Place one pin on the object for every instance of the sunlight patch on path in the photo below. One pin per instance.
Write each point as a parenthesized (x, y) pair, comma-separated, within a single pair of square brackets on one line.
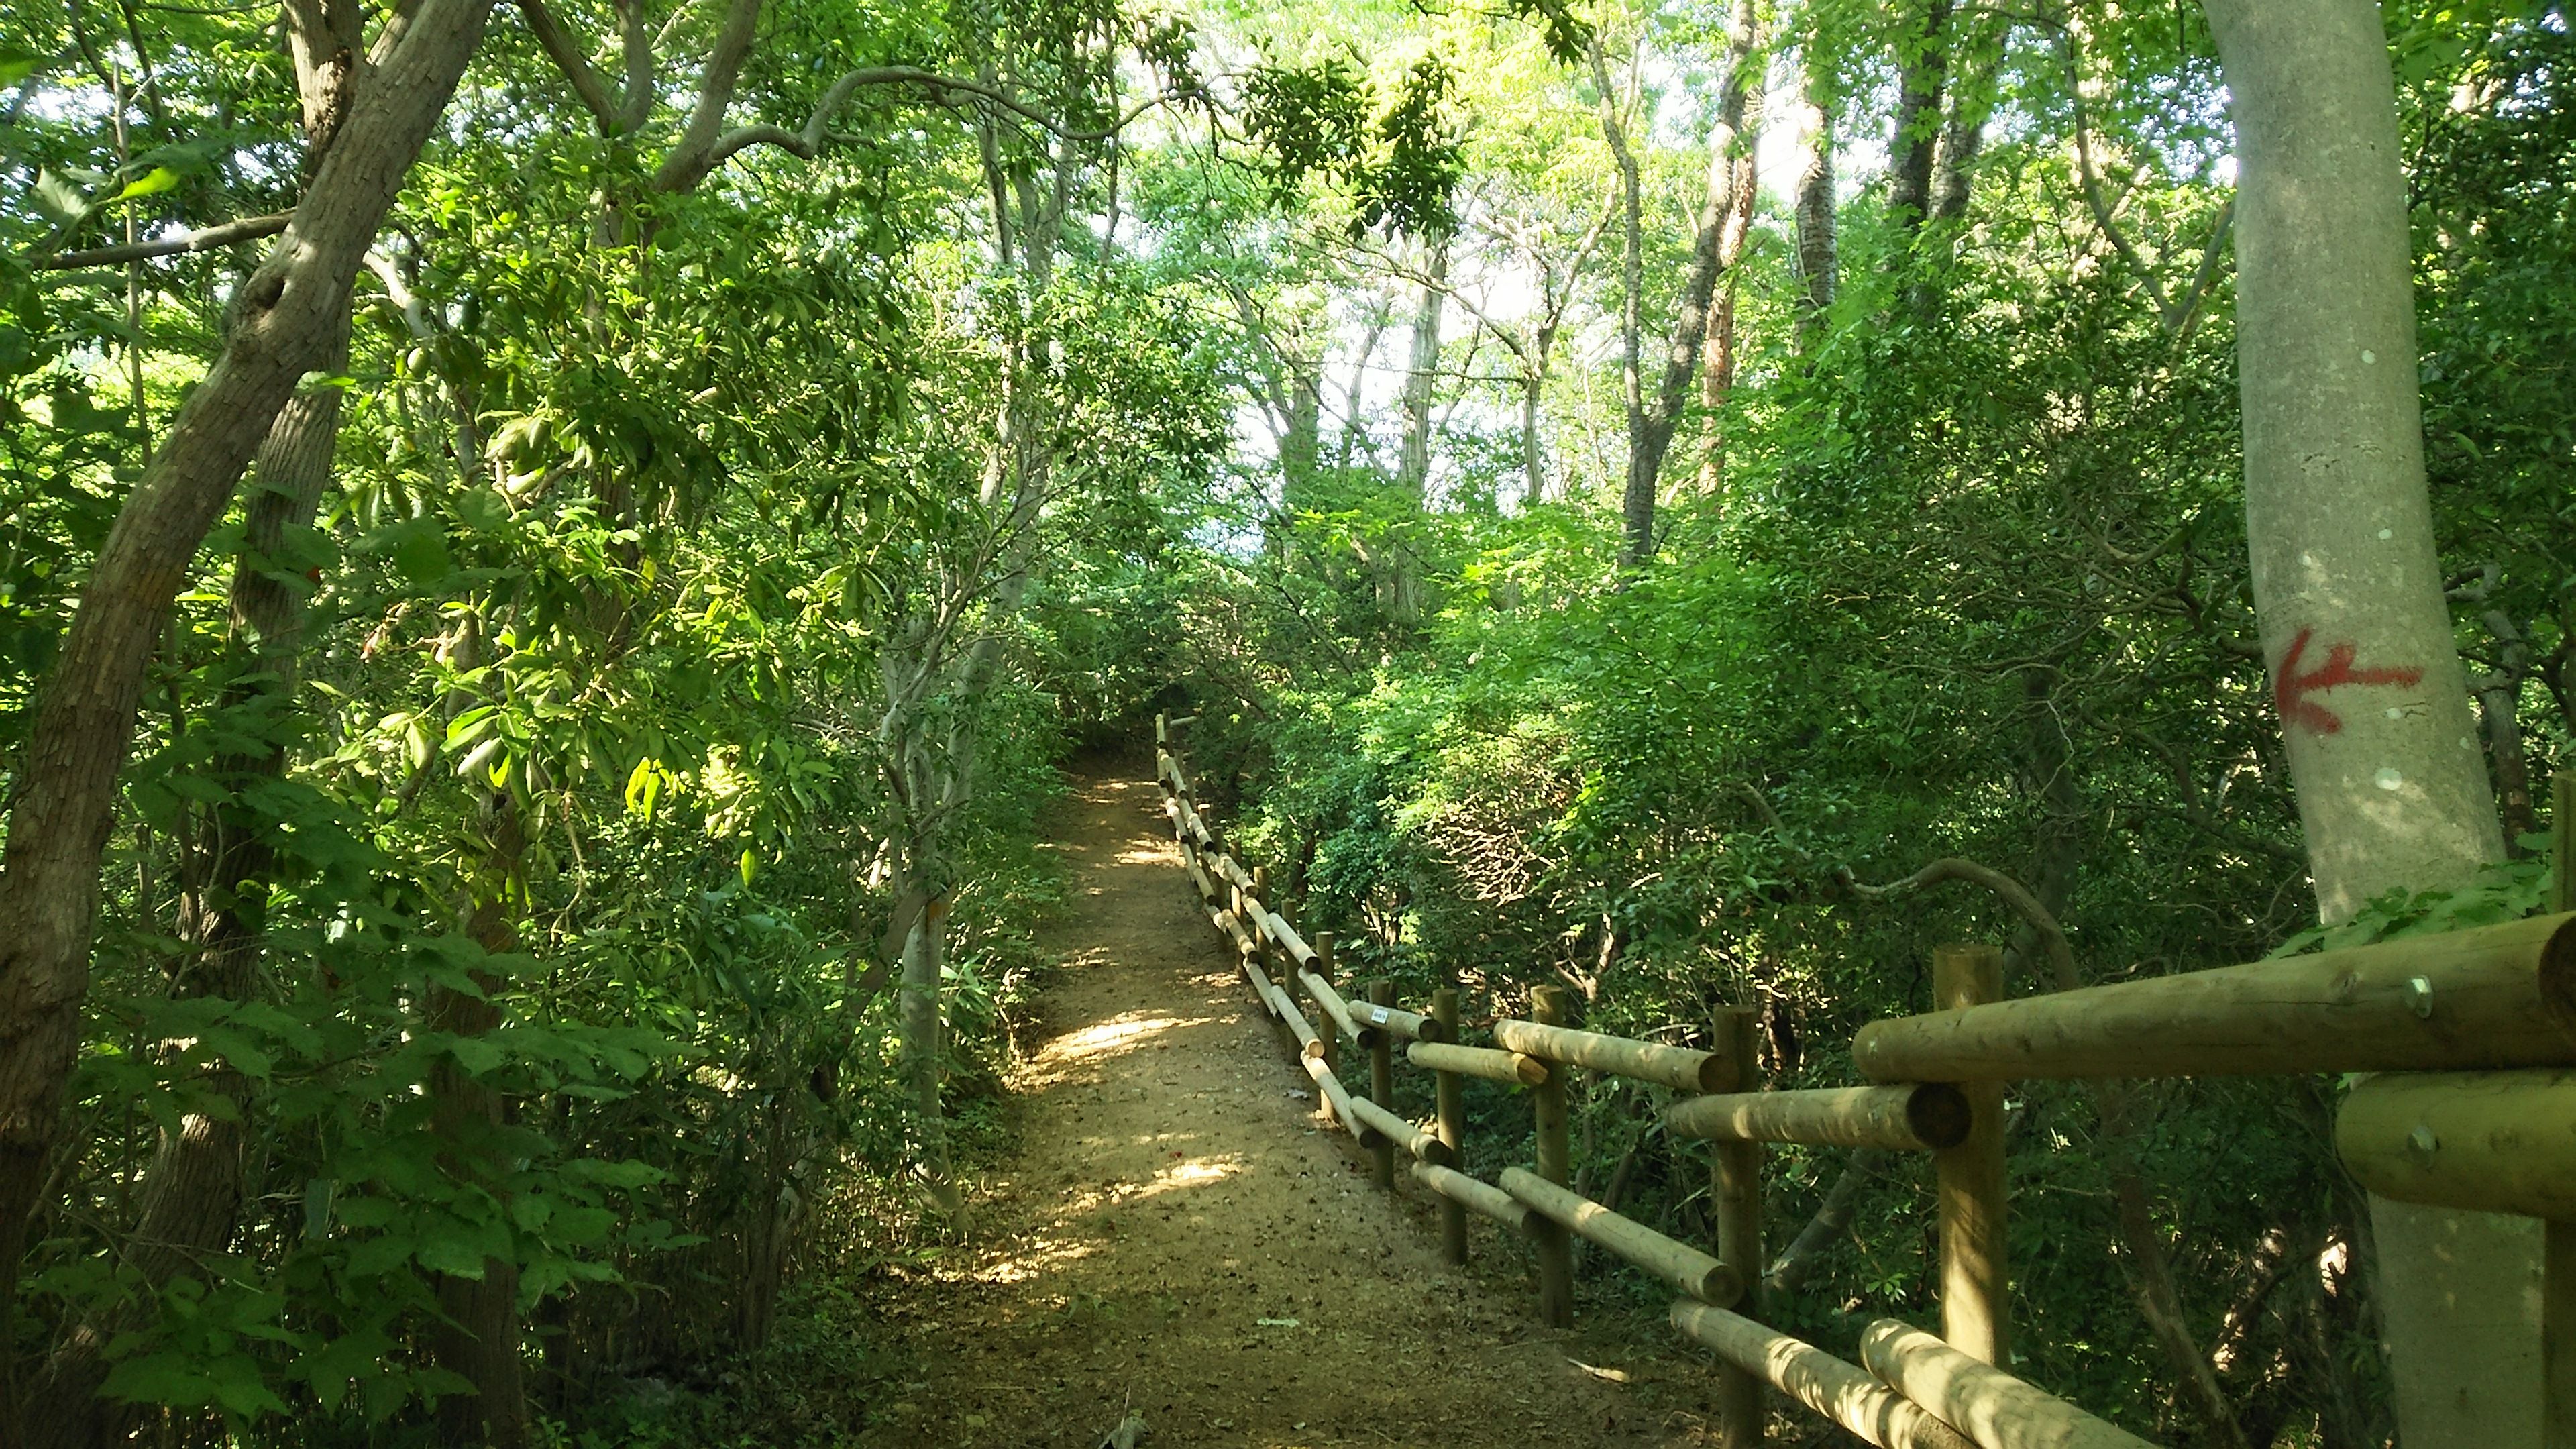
[(1102, 1042)]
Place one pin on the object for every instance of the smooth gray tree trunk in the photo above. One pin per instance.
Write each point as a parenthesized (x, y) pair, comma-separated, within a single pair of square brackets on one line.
[(1813, 207), (2383, 752), (1421, 372)]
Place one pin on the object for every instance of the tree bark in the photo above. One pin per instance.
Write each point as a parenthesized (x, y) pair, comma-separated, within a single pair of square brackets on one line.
[(1638, 515), (192, 1189), (1963, 133), (2500, 707), (1740, 107), (479, 1342), (924, 1043), (1301, 437), (1533, 454), (1814, 206), (1414, 475), (2382, 751), (1922, 76), (1806, 1252), (281, 328), (1652, 417)]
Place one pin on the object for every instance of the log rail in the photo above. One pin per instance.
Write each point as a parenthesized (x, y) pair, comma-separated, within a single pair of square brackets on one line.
[(2472, 1033)]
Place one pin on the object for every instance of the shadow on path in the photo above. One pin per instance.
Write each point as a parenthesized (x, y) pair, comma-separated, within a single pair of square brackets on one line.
[(1175, 1234)]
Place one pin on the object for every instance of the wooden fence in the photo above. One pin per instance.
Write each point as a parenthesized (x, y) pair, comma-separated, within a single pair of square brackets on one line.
[(2472, 1036)]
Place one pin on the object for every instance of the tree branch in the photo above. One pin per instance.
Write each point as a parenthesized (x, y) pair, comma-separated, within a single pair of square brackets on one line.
[(696, 154), (2157, 1296), (223, 234), (638, 43), (2061, 956), (808, 141), (567, 55), (1805, 1253), (2187, 313)]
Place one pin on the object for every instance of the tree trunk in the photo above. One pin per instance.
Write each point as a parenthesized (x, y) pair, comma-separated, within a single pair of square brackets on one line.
[(924, 1043), (1922, 75), (1637, 513), (192, 1189), (1301, 437), (1533, 459), (1740, 107), (1814, 206), (1963, 134), (1423, 369), (480, 1340), (1653, 417), (1806, 1252), (281, 327), (2383, 753), (2500, 707)]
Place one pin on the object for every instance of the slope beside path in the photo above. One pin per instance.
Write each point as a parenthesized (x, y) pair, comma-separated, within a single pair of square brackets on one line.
[(1176, 1236)]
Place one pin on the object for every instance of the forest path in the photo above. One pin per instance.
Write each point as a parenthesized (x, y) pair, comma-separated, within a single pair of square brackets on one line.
[(1172, 1207)]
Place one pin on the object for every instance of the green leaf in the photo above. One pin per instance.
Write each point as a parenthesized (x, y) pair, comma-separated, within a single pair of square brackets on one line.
[(160, 1378), (457, 1257), (421, 556), (475, 1055), (378, 1256), (150, 183), (239, 1390), (61, 202), (643, 787)]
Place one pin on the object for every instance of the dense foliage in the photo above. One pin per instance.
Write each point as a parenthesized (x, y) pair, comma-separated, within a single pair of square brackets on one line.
[(665, 529), (575, 870), (1961, 574)]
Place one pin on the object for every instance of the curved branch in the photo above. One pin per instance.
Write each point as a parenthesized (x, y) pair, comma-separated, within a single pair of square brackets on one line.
[(2158, 1297), (694, 156), (561, 48), (223, 234), (2186, 313), (2061, 955), (1799, 1261), (805, 143)]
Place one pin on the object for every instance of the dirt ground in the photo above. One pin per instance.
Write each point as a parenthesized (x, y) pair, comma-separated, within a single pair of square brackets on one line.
[(1178, 1236)]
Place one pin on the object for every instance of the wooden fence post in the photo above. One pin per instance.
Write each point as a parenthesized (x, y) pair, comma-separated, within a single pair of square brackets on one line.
[(1735, 1189), (1332, 1038), (1976, 1306), (1451, 1090), (1555, 1163), (1289, 967), (1262, 955), (2558, 1239), (1381, 992), (1282, 970)]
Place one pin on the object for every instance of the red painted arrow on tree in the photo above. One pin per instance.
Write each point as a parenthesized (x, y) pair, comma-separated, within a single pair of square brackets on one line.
[(2290, 688)]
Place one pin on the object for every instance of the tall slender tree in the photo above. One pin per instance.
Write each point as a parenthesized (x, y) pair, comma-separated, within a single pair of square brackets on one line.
[(2373, 703)]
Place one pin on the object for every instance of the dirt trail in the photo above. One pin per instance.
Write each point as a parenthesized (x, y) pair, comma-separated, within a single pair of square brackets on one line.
[(1176, 1234)]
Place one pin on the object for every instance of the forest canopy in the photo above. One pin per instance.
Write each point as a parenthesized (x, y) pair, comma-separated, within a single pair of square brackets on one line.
[(554, 557)]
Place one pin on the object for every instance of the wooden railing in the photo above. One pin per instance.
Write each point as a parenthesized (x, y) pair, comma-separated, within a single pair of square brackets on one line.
[(2471, 1034)]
